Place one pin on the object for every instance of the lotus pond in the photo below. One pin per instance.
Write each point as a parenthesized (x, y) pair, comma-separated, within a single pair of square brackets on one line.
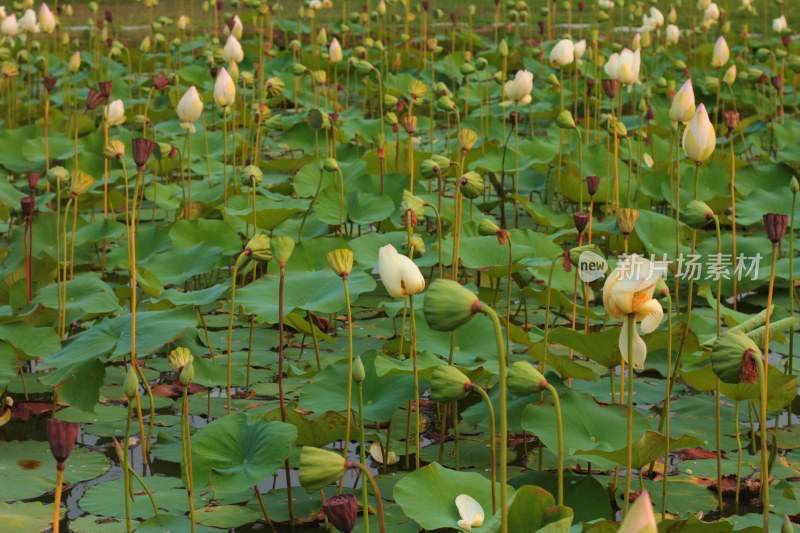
[(397, 267)]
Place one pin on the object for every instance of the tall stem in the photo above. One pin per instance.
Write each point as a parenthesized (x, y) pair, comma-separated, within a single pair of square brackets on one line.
[(560, 430), (379, 502), (187, 444), (762, 387), (363, 454), (666, 415), (232, 314), (631, 318), (412, 341), (281, 357), (492, 443), (349, 373), (501, 356)]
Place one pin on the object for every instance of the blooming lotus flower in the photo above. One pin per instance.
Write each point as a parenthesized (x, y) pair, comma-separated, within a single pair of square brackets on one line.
[(183, 22), (721, 53), (47, 21), (470, 511), (115, 113), (235, 27), (673, 34), (233, 53), (624, 66), (10, 26), (399, 274), (657, 17), (376, 452), (335, 51), (580, 49), (730, 75), (75, 62), (605, 4), (711, 14), (640, 518), (628, 292), (519, 89), (190, 107), (747, 6), (224, 88), (683, 106), (779, 24), (563, 53), (28, 22), (699, 138)]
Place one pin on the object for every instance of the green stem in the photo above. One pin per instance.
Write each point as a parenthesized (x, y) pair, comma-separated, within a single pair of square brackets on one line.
[(717, 392), (368, 475), (125, 468), (501, 356), (239, 262), (666, 415), (364, 491), (762, 386), (547, 311), (492, 443), (560, 429), (349, 372), (739, 454), (187, 445), (631, 318), (412, 341)]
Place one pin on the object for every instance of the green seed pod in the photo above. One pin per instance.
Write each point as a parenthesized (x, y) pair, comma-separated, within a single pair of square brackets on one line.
[(114, 149), (449, 384), (59, 173), (731, 358), (575, 253), (448, 305), (417, 244), (697, 214), (486, 228), (282, 247), (187, 374), (80, 182), (524, 379), (319, 467), (252, 174), (471, 185), (258, 248), (330, 165), (564, 119), (786, 525), (626, 219)]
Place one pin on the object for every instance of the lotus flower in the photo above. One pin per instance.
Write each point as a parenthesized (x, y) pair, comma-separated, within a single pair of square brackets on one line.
[(673, 34), (711, 14), (683, 106), (47, 21), (10, 26), (519, 89), (232, 53), (235, 27), (629, 291), (699, 138), (115, 113), (335, 51), (640, 518), (471, 512), (563, 53), (721, 53), (28, 22), (190, 107), (624, 66), (399, 274), (75, 62), (224, 89), (779, 24), (730, 75)]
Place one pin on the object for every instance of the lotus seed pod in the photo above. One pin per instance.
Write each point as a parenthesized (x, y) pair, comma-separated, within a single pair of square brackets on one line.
[(486, 228), (80, 182), (179, 358), (626, 219), (282, 247), (258, 248), (114, 149), (448, 305), (564, 119), (524, 379), (576, 252), (471, 185), (319, 467), (341, 261), (775, 224), (330, 165), (467, 139), (449, 384), (697, 214)]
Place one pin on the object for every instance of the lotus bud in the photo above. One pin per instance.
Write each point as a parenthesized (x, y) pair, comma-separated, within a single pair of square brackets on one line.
[(186, 376), (359, 373), (319, 467), (61, 436), (626, 219), (258, 248), (282, 247), (50, 82), (75, 62), (683, 105), (471, 185), (711, 84), (697, 214), (524, 380), (775, 224), (449, 384), (114, 149), (341, 510), (730, 75), (699, 138), (794, 185), (142, 150), (130, 387), (341, 262), (641, 518), (564, 119), (786, 525), (448, 305), (502, 49)]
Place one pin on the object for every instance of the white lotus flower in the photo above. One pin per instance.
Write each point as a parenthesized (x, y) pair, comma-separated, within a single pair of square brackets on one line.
[(580, 48), (115, 113), (519, 89), (400, 275), (376, 452), (190, 107), (233, 50), (563, 53), (721, 53), (335, 51), (673, 34), (224, 88), (641, 518), (10, 26), (470, 511), (47, 21), (624, 66), (28, 22), (711, 14), (779, 24), (183, 22)]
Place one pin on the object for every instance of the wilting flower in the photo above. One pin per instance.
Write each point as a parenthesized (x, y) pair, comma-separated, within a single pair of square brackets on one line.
[(519, 89), (399, 274), (640, 518), (233, 52), (376, 452), (624, 66), (342, 511), (61, 436), (628, 291), (683, 106), (142, 150), (721, 53), (699, 138), (47, 22), (224, 89), (190, 107), (470, 511), (673, 34), (563, 53), (335, 51), (779, 24), (115, 113)]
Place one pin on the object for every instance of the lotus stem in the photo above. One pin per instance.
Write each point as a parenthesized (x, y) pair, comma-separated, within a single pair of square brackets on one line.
[(560, 430), (186, 441), (363, 454), (281, 358), (762, 387), (126, 468), (492, 442), (348, 423), (239, 261), (631, 318)]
